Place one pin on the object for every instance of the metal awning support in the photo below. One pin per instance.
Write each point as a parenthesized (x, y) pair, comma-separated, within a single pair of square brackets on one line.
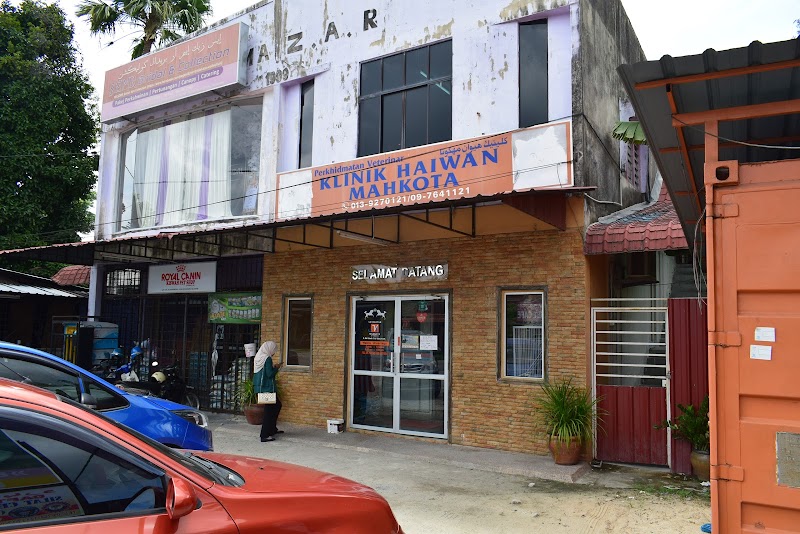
[(449, 227), (251, 237)]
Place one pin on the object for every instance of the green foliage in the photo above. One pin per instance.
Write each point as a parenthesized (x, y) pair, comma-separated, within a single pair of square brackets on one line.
[(568, 411), (48, 127), (691, 425), (246, 393), (160, 21)]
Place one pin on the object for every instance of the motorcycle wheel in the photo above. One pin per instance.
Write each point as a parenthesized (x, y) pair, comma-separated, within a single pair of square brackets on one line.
[(190, 399)]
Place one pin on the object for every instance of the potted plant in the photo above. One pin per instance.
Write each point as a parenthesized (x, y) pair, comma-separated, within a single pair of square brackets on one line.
[(692, 425), (246, 398), (567, 413)]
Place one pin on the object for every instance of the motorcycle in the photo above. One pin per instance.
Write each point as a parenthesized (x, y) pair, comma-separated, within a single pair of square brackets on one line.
[(166, 383), (173, 387)]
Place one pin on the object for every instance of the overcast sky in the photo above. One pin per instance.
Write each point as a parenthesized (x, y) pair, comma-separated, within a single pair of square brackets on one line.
[(676, 27)]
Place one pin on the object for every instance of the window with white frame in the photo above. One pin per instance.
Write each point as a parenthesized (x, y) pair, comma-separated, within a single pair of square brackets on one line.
[(193, 168), (297, 331), (522, 338)]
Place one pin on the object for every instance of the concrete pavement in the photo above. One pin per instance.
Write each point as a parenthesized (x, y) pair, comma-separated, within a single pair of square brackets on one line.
[(494, 461), (437, 488)]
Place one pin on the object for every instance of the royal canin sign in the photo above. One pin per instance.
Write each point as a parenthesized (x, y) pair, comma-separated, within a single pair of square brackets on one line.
[(183, 278)]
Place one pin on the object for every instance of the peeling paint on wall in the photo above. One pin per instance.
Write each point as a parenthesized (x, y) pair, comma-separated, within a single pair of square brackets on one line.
[(380, 42)]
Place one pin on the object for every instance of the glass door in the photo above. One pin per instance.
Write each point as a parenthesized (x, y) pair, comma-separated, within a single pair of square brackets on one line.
[(399, 366)]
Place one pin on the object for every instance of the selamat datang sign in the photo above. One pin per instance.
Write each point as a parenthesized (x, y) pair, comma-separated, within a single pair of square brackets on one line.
[(182, 278), (206, 63)]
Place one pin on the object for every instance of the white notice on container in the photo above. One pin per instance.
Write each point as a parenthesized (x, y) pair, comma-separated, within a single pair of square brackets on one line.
[(760, 352), (428, 342), (765, 333)]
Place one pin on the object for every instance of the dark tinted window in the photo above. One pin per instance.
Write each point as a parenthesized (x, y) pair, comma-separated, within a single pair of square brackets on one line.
[(107, 399), (417, 116), (369, 126), (306, 122), (298, 331), (40, 375), (59, 381), (442, 60), (417, 66), (370, 77), (392, 122), (81, 473), (414, 106), (533, 73), (440, 126), (393, 71)]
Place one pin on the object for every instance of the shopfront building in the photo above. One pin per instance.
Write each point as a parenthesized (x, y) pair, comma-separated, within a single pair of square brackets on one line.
[(415, 182)]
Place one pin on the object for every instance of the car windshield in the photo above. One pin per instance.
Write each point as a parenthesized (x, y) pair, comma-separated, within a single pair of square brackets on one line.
[(207, 469)]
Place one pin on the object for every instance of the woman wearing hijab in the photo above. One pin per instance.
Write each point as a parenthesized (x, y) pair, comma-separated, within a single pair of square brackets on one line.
[(266, 367)]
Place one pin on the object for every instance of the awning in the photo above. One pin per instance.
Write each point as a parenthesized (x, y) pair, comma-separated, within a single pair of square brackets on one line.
[(639, 228), (673, 96), (259, 237)]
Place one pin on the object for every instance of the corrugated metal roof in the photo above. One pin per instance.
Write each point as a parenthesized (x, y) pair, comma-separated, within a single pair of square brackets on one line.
[(714, 80), (15, 283), (651, 227), (164, 245), (24, 289)]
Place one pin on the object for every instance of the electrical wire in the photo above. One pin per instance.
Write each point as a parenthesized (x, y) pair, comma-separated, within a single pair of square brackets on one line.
[(697, 263), (728, 139), (409, 159)]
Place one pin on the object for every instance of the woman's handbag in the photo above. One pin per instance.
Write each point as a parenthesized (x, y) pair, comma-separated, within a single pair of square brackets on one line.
[(267, 398)]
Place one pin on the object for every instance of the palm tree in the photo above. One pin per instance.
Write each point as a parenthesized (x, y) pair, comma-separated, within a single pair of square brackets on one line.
[(159, 20)]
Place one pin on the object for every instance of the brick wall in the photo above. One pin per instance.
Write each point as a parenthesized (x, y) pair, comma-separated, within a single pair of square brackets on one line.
[(484, 411)]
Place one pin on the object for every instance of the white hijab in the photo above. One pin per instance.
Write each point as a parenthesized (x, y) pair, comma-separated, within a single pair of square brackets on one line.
[(265, 351)]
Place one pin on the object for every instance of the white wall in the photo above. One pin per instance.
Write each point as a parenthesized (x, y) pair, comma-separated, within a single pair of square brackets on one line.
[(485, 72)]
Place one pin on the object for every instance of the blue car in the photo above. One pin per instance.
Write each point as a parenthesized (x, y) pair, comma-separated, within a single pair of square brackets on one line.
[(172, 424)]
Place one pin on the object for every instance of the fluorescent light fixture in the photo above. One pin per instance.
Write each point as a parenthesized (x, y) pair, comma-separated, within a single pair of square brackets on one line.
[(363, 238)]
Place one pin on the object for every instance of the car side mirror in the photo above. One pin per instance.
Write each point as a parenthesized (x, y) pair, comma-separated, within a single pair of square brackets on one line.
[(181, 498), (88, 400)]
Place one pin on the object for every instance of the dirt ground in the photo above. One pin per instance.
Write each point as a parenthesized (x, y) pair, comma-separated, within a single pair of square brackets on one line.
[(431, 498)]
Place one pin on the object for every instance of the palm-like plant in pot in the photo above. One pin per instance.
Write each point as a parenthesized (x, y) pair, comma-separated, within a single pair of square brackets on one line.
[(567, 413), (246, 399), (692, 425)]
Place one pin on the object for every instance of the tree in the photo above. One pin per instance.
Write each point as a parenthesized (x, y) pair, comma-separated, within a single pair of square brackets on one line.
[(160, 21), (48, 128)]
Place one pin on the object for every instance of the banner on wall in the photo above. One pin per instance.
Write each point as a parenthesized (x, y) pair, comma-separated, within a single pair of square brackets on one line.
[(182, 278), (206, 63), (539, 157), (234, 308)]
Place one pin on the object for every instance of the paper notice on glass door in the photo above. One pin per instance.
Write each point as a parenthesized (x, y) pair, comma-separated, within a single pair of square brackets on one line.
[(428, 342)]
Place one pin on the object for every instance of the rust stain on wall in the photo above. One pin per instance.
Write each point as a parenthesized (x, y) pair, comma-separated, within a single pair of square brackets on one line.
[(521, 8), (502, 72), (381, 41), (443, 30)]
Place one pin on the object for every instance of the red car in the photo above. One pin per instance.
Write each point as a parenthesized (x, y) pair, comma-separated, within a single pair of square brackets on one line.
[(65, 469)]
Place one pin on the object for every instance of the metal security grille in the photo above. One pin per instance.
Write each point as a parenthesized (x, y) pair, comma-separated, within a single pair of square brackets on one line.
[(526, 356), (123, 282), (630, 342)]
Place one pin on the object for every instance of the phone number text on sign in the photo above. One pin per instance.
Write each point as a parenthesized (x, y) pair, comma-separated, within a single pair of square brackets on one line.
[(456, 192)]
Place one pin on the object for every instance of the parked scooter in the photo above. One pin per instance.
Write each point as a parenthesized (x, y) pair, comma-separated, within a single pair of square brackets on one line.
[(166, 382), (173, 387), (125, 377)]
